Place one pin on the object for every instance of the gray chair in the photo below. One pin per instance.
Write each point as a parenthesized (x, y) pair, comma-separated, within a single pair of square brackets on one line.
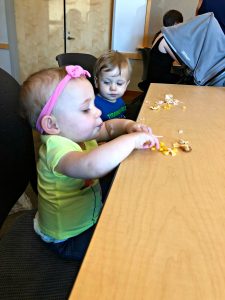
[(85, 60), (28, 269)]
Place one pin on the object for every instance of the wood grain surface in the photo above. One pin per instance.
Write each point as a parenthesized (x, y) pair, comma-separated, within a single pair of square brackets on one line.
[(161, 232)]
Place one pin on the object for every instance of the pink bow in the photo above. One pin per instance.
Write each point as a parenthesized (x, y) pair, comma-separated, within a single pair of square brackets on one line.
[(77, 71)]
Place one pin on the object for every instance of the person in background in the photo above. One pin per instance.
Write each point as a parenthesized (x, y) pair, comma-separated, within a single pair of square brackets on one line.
[(161, 56), (59, 103), (112, 73), (215, 6)]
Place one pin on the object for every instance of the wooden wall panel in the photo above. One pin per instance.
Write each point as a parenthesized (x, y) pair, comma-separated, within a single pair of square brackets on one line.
[(89, 22), (39, 26), (39, 34)]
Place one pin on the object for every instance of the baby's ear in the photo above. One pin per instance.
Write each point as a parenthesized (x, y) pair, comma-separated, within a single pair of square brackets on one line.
[(49, 125)]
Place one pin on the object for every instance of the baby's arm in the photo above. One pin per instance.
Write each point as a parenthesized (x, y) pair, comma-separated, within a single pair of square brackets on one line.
[(103, 159), (198, 7), (116, 127), (164, 46)]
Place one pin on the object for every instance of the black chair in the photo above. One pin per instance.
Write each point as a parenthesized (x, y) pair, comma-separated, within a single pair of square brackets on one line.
[(134, 107), (28, 269), (85, 60), (145, 53)]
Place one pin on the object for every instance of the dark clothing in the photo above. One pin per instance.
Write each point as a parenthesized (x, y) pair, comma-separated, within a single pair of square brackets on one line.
[(159, 69), (75, 247), (160, 66), (133, 108), (217, 7)]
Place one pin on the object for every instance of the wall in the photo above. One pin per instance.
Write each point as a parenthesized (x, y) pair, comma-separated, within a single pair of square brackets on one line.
[(124, 28), (8, 39), (39, 34), (39, 27), (159, 7), (5, 63)]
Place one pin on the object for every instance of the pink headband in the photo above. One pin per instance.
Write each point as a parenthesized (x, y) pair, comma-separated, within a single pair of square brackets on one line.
[(72, 72)]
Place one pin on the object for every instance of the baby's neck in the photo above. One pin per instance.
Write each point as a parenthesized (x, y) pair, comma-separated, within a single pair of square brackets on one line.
[(82, 145)]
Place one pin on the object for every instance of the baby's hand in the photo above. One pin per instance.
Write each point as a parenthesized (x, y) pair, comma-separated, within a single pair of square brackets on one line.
[(152, 139), (145, 140), (136, 127)]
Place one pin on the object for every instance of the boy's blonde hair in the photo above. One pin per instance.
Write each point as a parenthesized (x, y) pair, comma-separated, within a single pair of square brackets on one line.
[(36, 90), (110, 60)]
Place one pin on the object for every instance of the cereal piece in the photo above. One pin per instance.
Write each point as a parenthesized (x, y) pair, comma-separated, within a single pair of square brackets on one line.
[(172, 151), (168, 97), (184, 145), (160, 102), (155, 107), (181, 142), (162, 147), (176, 145), (176, 102), (180, 131), (167, 106), (165, 152), (186, 148)]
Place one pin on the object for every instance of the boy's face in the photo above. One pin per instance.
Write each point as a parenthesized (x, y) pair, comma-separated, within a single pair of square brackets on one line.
[(112, 84), (77, 116)]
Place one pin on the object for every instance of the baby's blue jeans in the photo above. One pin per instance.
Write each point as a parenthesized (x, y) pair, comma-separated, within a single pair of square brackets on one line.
[(73, 248)]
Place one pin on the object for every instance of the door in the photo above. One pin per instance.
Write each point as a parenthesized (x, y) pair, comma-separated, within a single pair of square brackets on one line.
[(4, 45), (88, 26), (8, 48)]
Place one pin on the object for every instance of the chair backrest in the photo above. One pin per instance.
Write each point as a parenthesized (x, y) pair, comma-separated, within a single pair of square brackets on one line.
[(85, 60), (145, 52), (18, 166)]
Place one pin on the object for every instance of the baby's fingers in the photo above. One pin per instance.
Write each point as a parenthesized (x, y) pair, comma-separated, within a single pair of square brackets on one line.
[(153, 142), (141, 128), (145, 128), (156, 142)]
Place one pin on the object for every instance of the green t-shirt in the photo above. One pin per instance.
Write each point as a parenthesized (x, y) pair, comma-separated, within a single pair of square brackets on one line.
[(66, 206)]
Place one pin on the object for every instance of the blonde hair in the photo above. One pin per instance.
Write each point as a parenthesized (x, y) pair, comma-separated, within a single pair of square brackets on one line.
[(110, 60), (36, 90)]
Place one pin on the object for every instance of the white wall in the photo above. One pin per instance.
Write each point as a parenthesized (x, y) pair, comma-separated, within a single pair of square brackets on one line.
[(128, 24), (5, 63), (8, 57), (160, 7), (129, 20)]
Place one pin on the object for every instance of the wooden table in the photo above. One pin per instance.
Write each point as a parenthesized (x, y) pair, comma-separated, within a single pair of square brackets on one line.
[(161, 234)]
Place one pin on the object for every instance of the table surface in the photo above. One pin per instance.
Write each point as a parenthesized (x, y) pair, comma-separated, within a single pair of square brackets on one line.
[(161, 234)]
